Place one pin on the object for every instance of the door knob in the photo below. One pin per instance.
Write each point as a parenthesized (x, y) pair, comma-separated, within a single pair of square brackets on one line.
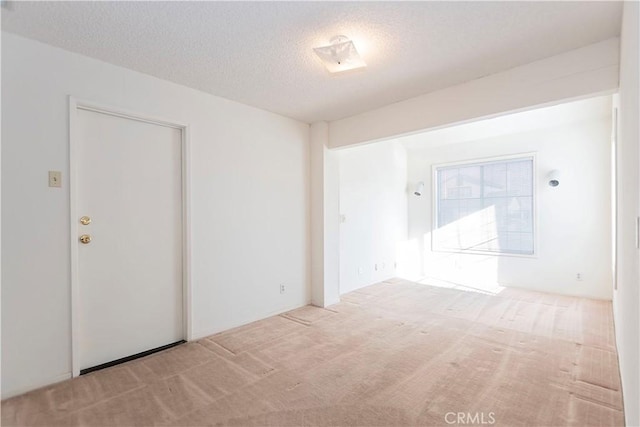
[(85, 239), (85, 220)]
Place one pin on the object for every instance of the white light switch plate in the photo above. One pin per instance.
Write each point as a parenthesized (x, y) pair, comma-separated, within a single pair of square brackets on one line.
[(55, 179)]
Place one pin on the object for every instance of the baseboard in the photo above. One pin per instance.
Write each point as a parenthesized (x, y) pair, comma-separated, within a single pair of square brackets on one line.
[(330, 303), (364, 285), (560, 291), (203, 334), (35, 386)]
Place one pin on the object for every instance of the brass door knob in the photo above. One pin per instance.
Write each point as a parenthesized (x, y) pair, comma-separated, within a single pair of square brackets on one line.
[(85, 220), (85, 238)]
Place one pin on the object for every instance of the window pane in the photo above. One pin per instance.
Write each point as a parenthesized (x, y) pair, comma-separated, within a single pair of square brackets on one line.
[(469, 182), (448, 211), (495, 180), (527, 243), (519, 178), (486, 207), (469, 207), (520, 214), (448, 180)]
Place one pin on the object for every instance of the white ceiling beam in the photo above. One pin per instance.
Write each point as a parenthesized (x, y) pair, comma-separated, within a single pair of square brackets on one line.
[(579, 73)]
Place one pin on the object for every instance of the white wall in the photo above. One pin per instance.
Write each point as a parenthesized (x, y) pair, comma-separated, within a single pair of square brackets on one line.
[(373, 205), (575, 74), (573, 219), (250, 203), (626, 300), (325, 228)]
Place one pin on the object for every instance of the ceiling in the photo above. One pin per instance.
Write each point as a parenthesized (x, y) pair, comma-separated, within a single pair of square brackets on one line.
[(260, 53), (526, 121)]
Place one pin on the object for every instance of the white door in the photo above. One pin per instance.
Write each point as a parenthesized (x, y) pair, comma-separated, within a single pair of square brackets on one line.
[(129, 183)]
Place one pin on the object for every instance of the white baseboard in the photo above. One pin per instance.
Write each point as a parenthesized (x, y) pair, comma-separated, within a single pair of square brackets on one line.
[(365, 284), (35, 386), (205, 333)]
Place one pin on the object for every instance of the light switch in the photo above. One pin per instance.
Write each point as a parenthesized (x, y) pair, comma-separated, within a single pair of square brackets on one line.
[(55, 179)]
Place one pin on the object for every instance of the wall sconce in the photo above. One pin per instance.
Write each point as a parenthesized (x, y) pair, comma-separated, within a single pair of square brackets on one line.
[(554, 178), (419, 189)]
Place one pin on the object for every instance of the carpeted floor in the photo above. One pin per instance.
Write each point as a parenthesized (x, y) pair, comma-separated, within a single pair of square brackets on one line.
[(395, 353)]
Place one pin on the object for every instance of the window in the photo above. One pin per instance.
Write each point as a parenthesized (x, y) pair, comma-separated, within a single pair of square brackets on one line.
[(485, 207)]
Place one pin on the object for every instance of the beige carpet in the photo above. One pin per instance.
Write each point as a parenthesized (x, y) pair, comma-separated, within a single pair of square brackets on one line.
[(395, 353)]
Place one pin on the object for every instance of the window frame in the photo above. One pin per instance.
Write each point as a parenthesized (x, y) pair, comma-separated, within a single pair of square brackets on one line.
[(481, 161)]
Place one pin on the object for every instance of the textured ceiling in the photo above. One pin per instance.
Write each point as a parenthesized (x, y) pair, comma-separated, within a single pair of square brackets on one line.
[(260, 53)]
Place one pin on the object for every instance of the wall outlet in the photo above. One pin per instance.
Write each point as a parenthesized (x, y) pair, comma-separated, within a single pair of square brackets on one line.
[(282, 289), (375, 266), (359, 271), (579, 276)]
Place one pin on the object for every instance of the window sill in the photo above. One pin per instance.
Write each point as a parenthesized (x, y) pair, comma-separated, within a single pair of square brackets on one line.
[(486, 253)]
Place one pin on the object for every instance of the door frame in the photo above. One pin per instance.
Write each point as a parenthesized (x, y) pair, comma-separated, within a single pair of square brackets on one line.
[(76, 104)]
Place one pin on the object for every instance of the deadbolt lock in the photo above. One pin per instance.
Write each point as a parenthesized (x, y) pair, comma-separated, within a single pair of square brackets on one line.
[(85, 220), (85, 238)]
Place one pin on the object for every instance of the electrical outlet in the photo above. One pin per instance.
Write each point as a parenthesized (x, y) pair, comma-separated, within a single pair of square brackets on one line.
[(359, 271), (282, 289), (579, 276), (375, 267)]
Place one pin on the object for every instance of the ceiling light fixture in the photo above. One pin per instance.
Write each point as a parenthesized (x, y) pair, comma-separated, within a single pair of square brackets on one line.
[(341, 55)]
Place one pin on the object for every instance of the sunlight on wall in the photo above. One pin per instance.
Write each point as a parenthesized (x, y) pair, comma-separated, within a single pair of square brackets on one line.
[(473, 273), (409, 265)]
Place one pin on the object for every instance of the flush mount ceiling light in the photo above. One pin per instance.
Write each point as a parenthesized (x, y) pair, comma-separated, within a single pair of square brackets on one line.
[(341, 55)]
